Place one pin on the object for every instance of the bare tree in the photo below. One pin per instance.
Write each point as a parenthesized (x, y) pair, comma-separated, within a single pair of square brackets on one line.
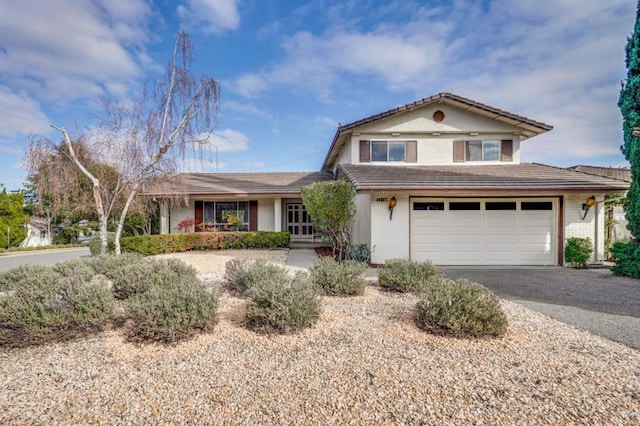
[(63, 174), (144, 140)]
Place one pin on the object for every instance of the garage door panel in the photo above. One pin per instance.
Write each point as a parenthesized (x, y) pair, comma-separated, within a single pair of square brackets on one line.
[(485, 237)]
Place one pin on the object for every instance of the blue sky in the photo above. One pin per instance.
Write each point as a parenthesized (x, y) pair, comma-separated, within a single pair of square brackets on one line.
[(292, 71)]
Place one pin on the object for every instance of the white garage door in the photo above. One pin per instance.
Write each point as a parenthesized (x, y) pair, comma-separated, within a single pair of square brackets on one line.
[(484, 231)]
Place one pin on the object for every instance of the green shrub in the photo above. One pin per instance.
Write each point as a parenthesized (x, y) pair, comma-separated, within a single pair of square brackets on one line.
[(140, 277), (109, 264), (460, 308), (405, 276), (47, 306), (339, 278), (171, 313), (136, 278), (258, 240), (242, 274), (94, 244), (275, 307), (626, 256), (10, 278), (359, 253), (577, 252), (176, 243), (75, 267)]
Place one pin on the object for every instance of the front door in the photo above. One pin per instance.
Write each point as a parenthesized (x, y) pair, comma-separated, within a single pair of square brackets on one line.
[(299, 222)]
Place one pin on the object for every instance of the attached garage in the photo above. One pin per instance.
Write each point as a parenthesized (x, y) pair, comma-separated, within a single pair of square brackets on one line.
[(491, 231)]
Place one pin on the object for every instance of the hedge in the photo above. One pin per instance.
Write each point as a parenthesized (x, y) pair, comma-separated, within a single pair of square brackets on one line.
[(175, 243), (626, 255)]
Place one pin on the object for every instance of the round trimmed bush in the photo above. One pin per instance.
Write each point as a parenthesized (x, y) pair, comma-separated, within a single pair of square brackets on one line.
[(109, 264), (242, 274), (577, 252), (171, 313), (339, 278), (405, 276), (46, 306), (460, 308), (10, 278), (276, 307)]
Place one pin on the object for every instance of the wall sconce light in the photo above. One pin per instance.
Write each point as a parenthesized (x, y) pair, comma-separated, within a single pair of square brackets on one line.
[(392, 203), (590, 202)]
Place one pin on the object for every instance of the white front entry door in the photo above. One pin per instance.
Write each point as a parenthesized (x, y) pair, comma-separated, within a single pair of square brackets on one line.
[(298, 221)]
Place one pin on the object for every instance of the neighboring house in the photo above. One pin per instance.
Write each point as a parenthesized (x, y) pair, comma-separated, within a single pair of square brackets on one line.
[(439, 179), (38, 233), (616, 221)]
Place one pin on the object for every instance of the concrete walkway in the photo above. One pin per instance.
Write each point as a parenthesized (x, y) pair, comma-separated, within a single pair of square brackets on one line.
[(301, 258)]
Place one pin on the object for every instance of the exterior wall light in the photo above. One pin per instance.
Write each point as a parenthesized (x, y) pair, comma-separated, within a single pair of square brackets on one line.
[(392, 203), (590, 202)]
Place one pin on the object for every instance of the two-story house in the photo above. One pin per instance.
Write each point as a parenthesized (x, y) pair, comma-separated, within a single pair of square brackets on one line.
[(439, 179)]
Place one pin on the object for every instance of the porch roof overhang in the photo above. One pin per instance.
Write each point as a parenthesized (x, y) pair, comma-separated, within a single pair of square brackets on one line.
[(476, 180), (236, 184)]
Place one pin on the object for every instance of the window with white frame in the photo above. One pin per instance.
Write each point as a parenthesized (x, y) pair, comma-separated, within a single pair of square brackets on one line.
[(483, 150)]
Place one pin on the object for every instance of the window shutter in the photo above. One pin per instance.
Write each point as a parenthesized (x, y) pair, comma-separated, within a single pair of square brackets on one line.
[(458, 151), (253, 215), (507, 150), (365, 152), (198, 214), (412, 151)]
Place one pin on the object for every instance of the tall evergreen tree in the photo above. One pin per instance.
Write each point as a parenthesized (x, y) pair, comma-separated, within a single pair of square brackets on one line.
[(629, 104)]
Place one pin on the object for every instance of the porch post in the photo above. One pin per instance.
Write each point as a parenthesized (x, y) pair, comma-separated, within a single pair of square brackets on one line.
[(277, 213), (164, 217)]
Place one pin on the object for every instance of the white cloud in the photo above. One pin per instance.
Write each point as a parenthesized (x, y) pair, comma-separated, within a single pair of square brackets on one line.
[(227, 140), (67, 50), (213, 16), (20, 114), (249, 85)]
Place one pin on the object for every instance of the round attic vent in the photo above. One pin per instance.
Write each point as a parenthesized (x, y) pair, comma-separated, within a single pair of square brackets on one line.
[(438, 116)]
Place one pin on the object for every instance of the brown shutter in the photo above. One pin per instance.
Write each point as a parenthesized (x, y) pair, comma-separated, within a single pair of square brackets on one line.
[(365, 152), (253, 215), (198, 214), (458, 151), (507, 150), (412, 151)]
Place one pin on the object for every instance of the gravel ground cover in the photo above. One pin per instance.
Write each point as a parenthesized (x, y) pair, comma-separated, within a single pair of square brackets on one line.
[(365, 362)]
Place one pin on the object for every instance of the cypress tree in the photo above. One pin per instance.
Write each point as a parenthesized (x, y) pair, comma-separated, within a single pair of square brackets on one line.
[(629, 104)]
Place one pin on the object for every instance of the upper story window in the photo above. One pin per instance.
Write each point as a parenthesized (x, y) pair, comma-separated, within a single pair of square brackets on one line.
[(388, 151), (483, 150)]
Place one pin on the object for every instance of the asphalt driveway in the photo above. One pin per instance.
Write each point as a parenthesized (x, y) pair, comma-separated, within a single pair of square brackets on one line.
[(593, 299)]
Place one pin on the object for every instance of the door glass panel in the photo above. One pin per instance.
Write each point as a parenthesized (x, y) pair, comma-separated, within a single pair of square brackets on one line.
[(537, 205), (464, 205), (428, 206), (501, 205)]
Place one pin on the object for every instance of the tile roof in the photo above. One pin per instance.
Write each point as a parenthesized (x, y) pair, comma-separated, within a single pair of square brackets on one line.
[(500, 178), (530, 127), (612, 172), (237, 183)]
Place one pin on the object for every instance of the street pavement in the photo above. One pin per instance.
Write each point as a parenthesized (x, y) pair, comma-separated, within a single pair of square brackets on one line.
[(40, 257)]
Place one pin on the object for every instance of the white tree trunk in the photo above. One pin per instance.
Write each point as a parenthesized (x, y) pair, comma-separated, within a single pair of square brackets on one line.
[(123, 216), (102, 217)]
